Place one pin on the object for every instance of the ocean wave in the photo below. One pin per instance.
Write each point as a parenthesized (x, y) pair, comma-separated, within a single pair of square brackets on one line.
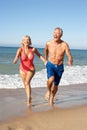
[(71, 75)]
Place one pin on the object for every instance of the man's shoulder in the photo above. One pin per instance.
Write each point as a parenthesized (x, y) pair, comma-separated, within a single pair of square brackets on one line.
[(49, 42), (64, 43)]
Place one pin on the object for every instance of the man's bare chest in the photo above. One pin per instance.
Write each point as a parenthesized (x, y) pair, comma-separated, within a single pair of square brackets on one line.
[(56, 49)]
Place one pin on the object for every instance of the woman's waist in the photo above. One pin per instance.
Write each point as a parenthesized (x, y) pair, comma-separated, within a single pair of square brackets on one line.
[(27, 64)]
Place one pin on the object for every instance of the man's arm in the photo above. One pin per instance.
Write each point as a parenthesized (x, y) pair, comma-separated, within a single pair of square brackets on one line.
[(46, 52), (69, 55)]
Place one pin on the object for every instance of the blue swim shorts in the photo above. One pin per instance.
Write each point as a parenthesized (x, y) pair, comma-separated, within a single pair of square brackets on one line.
[(54, 70)]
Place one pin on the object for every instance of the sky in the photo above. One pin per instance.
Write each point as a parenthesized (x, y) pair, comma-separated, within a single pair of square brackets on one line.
[(38, 18)]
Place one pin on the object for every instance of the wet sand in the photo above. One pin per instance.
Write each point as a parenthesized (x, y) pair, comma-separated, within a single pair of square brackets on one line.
[(69, 111)]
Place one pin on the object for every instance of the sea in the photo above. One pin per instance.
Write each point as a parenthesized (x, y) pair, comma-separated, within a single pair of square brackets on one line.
[(10, 76)]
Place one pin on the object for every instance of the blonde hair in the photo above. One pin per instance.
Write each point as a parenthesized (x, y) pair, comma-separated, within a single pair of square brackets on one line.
[(23, 40)]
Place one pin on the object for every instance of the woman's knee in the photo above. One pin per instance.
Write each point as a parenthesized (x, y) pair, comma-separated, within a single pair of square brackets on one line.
[(27, 82)]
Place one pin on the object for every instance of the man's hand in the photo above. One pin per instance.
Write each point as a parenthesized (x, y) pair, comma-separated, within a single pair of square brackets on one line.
[(69, 63)]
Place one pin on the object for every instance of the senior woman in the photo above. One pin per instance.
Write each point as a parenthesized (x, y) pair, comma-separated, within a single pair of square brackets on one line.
[(27, 69)]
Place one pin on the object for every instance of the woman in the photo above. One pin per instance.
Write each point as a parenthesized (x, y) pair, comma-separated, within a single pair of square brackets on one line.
[(27, 68)]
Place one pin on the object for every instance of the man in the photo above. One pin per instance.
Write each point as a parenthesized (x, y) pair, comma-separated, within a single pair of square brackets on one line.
[(54, 53)]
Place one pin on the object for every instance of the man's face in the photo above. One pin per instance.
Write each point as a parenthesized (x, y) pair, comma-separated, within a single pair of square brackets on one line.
[(57, 34)]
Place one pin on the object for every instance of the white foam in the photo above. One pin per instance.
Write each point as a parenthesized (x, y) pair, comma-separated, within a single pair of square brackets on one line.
[(71, 75)]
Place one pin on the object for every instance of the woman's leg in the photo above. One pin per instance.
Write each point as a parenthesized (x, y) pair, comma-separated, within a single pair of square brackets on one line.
[(29, 76), (23, 76), (26, 78)]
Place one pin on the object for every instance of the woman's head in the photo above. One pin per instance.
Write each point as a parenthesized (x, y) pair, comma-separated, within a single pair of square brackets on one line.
[(26, 40)]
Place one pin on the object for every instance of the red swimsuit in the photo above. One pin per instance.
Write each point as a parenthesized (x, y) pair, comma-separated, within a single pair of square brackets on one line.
[(26, 62)]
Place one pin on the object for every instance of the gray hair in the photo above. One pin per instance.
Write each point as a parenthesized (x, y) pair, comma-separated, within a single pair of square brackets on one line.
[(60, 30)]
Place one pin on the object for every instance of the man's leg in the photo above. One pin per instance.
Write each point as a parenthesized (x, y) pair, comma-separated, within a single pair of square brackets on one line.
[(53, 93), (49, 87)]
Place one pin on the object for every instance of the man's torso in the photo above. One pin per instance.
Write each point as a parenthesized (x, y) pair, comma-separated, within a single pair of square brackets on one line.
[(56, 52)]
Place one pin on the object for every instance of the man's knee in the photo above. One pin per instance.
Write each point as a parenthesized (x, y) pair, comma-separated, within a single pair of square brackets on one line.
[(54, 89), (50, 80)]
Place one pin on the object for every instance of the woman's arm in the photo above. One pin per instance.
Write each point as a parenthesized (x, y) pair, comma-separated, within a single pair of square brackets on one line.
[(17, 56), (40, 56)]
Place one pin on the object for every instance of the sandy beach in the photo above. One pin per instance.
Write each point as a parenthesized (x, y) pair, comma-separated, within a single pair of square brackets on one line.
[(69, 111)]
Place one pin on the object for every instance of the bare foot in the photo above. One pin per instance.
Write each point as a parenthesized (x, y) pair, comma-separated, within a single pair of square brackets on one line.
[(47, 96), (29, 102), (52, 101)]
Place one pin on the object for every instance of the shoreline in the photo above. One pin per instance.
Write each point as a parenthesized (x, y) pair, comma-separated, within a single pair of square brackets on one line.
[(74, 118), (69, 99)]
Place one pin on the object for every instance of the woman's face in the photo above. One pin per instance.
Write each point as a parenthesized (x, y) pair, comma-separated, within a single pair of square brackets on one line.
[(26, 41)]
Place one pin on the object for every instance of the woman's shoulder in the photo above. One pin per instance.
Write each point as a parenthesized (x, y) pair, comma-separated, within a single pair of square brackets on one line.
[(20, 49), (33, 49)]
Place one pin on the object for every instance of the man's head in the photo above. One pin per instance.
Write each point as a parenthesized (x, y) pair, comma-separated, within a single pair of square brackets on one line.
[(58, 32)]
